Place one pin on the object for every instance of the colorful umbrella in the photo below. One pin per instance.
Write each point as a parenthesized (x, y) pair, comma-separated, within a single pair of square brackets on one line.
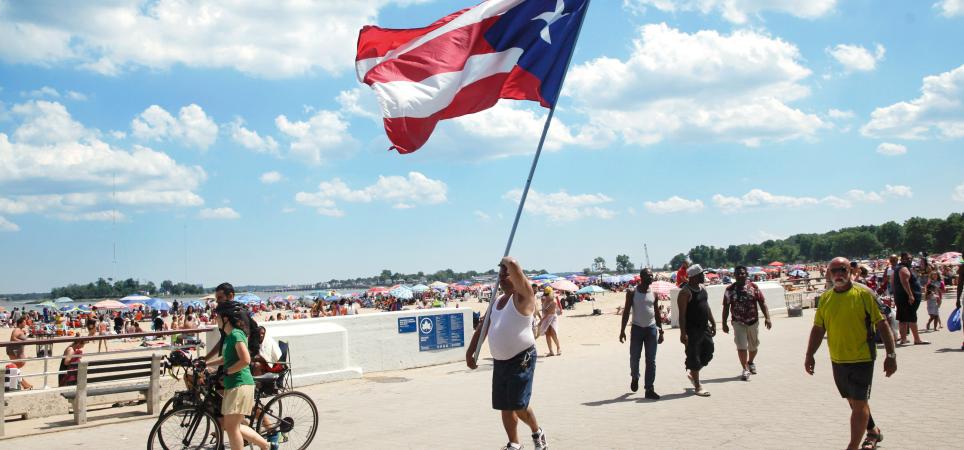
[(248, 298), (134, 298), (776, 264), (662, 287), (591, 290), (110, 304), (63, 300), (420, 288), (564, 285)]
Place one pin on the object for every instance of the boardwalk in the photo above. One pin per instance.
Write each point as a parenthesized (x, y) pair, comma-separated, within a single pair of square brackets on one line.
[(582, 400)]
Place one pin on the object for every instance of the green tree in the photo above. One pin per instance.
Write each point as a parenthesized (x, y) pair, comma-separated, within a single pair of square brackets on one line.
[(918, 236), (623, 264), (677, 261), (734, 254), (754, 254), (599, 264)]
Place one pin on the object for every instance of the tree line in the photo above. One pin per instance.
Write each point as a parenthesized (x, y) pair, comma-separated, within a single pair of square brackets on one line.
[(917, 234), (121, 288)]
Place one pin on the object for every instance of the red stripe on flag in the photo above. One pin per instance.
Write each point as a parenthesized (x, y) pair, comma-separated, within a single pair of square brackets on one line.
[(409, 134), (375, 41), (444, 54)]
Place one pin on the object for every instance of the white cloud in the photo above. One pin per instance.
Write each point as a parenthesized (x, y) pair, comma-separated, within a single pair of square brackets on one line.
[(192, 126), (53, 165), (218, 214), (481, 215), (674, 204), (322, 137), (251, 140), (855, 58), (94, 216), (840, 115), (886, 148), (938, 112), (701, 86), (43, 92), (287, 38), (739, 11), (898, 191), (359, 102), (562, 206), (758, 198), (950, 8), (74, 95), (958, 194), (117, 134), (401, 192), (271, 177), (6, 225)]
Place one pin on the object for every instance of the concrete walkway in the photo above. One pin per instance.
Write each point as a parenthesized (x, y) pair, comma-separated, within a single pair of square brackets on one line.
[(582, 400)]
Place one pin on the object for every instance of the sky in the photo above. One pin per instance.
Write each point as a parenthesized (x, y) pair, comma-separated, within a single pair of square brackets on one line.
[(231, 141)]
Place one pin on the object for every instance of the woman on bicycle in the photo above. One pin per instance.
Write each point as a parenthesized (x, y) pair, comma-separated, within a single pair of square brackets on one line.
[(238, 382)]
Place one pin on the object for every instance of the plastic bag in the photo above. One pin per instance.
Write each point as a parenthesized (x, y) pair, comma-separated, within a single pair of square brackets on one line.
[(954, 320)]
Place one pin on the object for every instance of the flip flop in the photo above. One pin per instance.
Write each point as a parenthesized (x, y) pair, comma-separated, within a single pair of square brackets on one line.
[(702, 393), (922, 343)]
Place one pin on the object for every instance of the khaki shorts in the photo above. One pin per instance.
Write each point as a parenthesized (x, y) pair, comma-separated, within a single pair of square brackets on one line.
[(239, 400), (747, 337)]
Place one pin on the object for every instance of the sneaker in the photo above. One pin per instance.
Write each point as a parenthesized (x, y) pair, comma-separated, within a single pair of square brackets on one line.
[(752, 368), (746, 375), (539, 440), (511, 446), (634, 385), (652, 395)]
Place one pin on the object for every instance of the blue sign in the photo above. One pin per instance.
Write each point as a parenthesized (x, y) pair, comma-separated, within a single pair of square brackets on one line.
[(440, 332), (407, 325)]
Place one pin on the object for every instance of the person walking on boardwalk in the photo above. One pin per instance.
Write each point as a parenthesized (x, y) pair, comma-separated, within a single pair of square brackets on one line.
[(697, 326), (849, 316), (512, 345), (647, 332), (741, 299), (907, 297)]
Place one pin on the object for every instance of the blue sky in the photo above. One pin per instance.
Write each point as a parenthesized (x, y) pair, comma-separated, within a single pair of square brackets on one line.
[(241, 147)]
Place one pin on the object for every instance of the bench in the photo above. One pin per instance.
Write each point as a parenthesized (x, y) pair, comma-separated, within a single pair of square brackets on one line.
[(114, 370)]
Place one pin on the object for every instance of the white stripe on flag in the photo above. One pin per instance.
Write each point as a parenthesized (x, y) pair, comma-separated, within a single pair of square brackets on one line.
[(435, 93), (477, 14)]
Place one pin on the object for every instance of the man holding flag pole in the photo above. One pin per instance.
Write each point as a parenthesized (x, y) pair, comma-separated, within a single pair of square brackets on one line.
[(462, 64)]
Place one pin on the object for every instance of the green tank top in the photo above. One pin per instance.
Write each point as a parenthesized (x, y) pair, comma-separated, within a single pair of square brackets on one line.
[(243, 376)]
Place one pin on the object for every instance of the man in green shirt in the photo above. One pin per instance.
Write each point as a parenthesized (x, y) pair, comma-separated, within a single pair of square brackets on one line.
[(848, 315)]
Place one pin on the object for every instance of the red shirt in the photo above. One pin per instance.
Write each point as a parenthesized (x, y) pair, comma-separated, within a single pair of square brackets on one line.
[(681, 277)]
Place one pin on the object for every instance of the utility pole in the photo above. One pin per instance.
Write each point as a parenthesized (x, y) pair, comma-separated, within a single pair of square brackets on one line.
[(646, 251)]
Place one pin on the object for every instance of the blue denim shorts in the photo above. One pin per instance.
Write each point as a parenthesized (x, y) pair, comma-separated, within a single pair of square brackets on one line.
[(512, 381)]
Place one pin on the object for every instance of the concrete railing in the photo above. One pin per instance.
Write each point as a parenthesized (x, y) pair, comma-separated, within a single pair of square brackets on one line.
[(773, 293)]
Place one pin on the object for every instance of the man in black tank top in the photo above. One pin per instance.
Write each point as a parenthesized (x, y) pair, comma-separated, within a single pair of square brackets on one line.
[(697, 326), (907, 298)]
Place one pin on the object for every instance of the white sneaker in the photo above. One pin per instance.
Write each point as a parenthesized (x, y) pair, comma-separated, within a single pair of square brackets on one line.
[(539, 440), (511, 446), (746, 375)]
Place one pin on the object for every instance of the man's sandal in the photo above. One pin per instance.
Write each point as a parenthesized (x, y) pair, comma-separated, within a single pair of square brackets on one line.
[(871, 441)]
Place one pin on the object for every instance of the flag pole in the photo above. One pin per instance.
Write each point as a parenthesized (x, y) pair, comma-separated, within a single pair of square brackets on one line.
[(525, 191)]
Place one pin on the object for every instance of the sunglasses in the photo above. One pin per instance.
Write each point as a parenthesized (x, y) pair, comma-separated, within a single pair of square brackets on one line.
[(838, 270)]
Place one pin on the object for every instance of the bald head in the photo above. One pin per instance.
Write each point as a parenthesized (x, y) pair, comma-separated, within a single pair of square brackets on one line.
[(839, 272)]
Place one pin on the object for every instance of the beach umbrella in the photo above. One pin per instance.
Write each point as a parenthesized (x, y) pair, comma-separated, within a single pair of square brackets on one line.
[(63, 300), (564, 285), (591, 290), (776, 264), (291, 298), (420, 288), (69, 308), (438, 285), (195, 303), (49, 304), (110, 304), (545, 276), (333, 298), (134, 298), (799, 273), (135, 305), (158, 304), (209, 297), (662, 287), (378, 289), (402, 293), (248, 298)]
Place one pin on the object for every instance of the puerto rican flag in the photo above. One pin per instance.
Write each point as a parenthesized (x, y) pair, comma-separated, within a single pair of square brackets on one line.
[(465, 62)]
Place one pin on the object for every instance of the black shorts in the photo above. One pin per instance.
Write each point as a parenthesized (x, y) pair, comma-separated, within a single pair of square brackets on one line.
[(512, 381), (699, 349), (907, 312), (854, 380)]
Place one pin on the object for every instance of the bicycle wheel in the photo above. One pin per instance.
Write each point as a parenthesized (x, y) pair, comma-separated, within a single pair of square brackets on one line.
[(186, 428), (293, 417)]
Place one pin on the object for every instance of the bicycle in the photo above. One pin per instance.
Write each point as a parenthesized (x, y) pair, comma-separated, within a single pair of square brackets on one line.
[(288, 420)]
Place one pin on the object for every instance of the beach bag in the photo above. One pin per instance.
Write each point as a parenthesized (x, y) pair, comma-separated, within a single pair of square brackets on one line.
[(954, 321)]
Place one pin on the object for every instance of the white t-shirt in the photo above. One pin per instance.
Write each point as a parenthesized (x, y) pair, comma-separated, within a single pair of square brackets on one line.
[(270, 350)]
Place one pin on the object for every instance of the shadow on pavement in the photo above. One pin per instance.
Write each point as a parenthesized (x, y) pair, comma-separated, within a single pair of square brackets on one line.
[(948, 350), (720, 380), (628, 397)]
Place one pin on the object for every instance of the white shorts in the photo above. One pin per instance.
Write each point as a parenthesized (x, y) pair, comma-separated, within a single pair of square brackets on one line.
[(747, 337)]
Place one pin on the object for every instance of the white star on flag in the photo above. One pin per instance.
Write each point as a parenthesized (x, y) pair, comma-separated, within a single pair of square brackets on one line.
[(550, 17)]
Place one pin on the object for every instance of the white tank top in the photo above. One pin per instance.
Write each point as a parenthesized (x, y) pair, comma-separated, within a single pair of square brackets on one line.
[(644, 309), (509, 331)]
